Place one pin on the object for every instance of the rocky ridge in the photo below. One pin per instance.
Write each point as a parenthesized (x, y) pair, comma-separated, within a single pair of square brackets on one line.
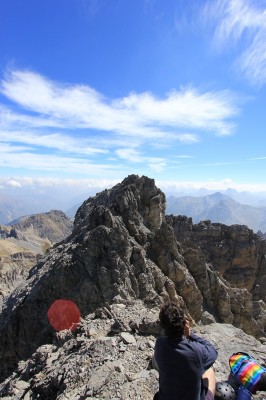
[(229, 266), (123, 251)]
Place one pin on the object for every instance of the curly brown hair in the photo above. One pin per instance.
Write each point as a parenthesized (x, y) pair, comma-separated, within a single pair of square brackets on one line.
[(172, 320)]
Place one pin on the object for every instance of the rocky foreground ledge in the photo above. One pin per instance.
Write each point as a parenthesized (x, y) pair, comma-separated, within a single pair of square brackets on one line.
[(109, 356), (123, 259)]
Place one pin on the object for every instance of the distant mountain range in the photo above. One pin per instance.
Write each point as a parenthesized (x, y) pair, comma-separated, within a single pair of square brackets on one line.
[(14, 205), (218, 207), (22, 243), (34, 233), (18, 201), (52, 226), (228, 207)]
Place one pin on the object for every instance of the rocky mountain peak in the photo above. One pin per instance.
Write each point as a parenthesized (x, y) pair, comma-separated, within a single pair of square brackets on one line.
[(104, 261), (137, 200)]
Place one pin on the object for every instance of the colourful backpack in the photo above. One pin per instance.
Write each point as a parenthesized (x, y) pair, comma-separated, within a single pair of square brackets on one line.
[(246, 370)]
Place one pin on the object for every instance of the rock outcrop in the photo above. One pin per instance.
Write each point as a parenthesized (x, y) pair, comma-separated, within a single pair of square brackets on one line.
[(229, 266), (123, 252)]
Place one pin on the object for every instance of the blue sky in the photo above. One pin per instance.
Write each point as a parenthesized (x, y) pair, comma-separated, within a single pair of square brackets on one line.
[(94, 90)]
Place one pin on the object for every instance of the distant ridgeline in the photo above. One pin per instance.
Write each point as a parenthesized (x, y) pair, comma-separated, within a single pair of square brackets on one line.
[(22, 244), (220, 208)]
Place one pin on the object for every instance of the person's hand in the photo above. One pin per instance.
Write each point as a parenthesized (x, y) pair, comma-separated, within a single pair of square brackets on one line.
[(187, 329)]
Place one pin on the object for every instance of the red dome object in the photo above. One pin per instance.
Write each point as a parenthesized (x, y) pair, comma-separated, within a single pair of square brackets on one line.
[(63, 314)]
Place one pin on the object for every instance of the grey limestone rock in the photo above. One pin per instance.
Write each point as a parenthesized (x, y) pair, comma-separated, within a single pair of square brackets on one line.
[(228, 264)]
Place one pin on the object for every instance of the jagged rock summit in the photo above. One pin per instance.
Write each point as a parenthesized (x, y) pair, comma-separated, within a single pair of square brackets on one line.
[(124, 249)]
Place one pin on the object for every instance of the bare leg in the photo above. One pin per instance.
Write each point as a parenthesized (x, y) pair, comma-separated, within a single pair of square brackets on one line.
[(209, 380)]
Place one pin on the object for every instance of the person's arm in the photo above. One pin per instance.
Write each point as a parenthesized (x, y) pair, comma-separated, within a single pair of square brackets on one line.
[(208, 351)]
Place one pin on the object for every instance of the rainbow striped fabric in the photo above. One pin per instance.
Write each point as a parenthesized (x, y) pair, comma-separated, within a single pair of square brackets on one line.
[(246, 370)]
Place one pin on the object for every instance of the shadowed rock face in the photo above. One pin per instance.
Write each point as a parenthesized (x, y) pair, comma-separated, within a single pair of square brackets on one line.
[(229, 266), (122, 249)]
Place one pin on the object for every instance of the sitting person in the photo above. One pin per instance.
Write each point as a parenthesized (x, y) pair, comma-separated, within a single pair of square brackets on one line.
[(184, 360)]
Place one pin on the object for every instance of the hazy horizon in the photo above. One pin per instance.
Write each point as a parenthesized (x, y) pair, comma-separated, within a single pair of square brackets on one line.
[(68, 193)]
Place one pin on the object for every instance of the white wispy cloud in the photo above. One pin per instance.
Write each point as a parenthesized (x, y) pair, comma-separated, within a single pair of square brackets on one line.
[(57, 141), (8, 148), (241, 23), (39, 182), (143, 115), (13, 183), (156, 164), (50, 163), (55, 126), (135, 156)]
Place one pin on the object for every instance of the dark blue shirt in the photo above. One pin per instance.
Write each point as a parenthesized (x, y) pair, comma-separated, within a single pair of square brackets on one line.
[(181, 363)]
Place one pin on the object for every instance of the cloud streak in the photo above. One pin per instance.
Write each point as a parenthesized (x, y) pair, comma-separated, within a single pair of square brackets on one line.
[(58, 141), (49, 163), (242, 23), (156, 164), (143, 114), (53, 126)]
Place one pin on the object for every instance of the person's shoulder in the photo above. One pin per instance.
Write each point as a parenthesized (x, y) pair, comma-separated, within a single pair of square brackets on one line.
[(161, 340)]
